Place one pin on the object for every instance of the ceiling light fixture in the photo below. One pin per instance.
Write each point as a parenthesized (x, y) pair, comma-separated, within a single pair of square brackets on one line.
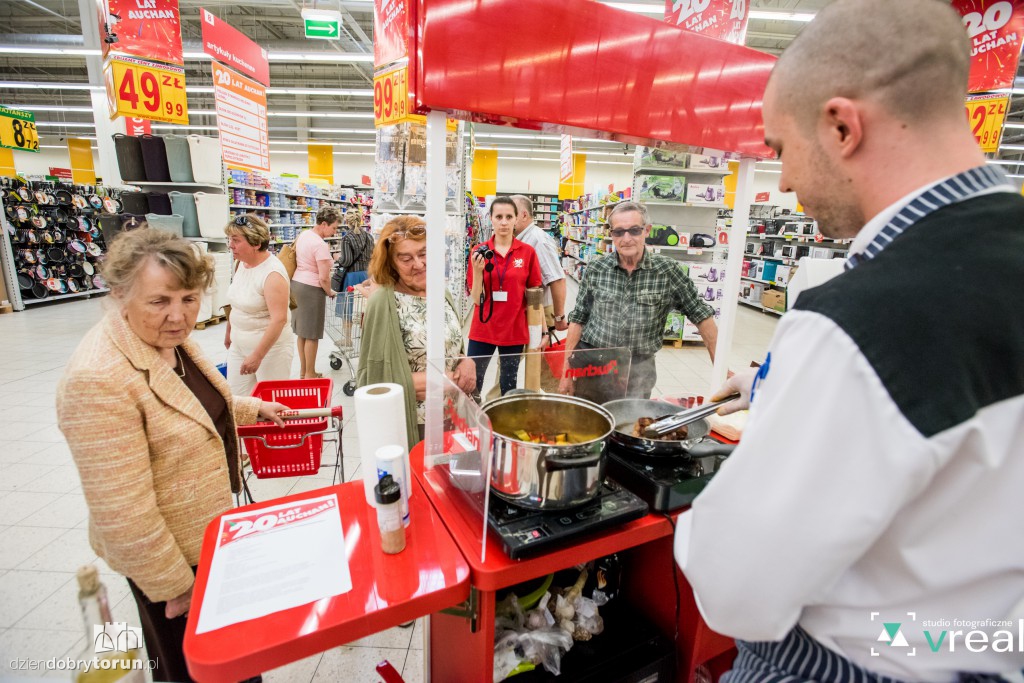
[(63, 124), (324, 56), (659, 9), (346, 131), (20, 85)]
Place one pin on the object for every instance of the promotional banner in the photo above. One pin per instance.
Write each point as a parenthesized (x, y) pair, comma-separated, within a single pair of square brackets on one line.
[(391, 97), (18, 130), (241, 119), (138, 88), (136, 127), (762, 197), (565, 159), (986, 114), (390, 31), (996, 30), (230, 46), (721, 19), (150, 29)]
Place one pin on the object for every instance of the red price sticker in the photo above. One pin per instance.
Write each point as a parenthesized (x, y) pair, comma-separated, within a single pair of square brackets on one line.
[(986, 114), (146, 90), (391, 96)]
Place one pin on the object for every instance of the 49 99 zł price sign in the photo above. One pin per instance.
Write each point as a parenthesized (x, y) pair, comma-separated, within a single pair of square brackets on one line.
[(148, 90)]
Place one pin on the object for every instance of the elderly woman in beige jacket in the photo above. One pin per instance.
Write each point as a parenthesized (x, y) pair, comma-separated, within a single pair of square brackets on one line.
[(151, 426)]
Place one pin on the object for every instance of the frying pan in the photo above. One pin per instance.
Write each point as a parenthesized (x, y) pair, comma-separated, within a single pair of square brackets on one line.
[(24, 281), (627, 411)]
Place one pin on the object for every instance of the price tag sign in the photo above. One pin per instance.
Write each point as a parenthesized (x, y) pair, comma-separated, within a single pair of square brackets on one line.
[(146, 90), (986, 114), (18, 130), (391, 97)]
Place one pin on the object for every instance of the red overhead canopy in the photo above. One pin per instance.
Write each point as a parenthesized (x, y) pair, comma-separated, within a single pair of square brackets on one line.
[(581, 66)]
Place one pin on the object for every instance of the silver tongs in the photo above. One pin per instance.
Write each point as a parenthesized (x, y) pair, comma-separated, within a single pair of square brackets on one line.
[(673, 422)]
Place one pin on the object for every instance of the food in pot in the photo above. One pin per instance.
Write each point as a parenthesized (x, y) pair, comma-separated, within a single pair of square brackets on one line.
[(562, 439), (645, 422)]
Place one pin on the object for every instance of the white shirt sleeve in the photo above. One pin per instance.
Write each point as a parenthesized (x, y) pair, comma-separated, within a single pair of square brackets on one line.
[(547, 257), (825, 464)]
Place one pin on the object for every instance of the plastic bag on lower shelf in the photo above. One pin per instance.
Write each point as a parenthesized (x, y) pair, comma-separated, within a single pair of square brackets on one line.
[(543, 646)]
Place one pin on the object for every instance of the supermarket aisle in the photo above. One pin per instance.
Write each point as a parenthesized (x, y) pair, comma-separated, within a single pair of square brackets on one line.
[(43, 517)]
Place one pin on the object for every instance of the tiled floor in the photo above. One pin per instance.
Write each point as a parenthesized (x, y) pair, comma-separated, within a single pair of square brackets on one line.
[(43, 517)]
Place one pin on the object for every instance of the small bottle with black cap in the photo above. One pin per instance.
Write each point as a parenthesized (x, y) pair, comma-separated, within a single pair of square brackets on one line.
[(389, 515)]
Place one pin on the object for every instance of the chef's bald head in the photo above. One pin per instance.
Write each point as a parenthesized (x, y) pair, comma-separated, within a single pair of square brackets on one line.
[(911, 56)]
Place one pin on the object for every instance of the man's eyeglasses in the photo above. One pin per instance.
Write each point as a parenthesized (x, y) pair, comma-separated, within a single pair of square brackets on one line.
[(635, 231), (415, 232)]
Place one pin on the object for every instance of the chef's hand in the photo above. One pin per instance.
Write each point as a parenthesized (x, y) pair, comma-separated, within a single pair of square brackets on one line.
[(464, 376), (269, 411), (176, 607), (739, 383), (566, 386), (251, 364)]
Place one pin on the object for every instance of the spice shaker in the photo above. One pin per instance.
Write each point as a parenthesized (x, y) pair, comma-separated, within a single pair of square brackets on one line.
[(388, 495)]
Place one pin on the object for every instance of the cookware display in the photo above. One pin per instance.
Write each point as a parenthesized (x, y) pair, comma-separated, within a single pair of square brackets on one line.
[(55, 238), (548, 451)]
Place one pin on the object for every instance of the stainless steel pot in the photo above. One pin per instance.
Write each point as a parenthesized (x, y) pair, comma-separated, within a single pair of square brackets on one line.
[(543, 476)]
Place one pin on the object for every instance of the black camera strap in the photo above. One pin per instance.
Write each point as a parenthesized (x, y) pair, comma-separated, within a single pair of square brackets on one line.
[(486, 296)]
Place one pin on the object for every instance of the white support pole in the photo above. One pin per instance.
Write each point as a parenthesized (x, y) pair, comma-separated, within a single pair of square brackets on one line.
[(734, 266), (436, 258), (105, 128)]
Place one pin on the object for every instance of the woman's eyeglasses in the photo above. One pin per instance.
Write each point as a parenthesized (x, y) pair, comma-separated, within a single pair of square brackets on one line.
[(241, 221), (415, 232), (635, 231)]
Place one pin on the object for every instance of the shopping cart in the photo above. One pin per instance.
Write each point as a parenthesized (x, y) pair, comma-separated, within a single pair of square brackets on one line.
[(344, 326), (295, 450)]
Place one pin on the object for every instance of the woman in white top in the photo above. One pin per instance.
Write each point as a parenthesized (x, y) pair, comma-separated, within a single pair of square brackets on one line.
[(260, 343)]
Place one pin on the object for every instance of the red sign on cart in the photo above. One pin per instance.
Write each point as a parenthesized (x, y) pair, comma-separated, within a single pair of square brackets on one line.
[(721, 19), (228, 45), (996, 31), (149, 29), (390, 31), (241, 119)]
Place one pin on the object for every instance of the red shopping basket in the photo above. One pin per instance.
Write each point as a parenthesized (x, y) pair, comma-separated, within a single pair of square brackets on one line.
[(293, 450), (555, 356)]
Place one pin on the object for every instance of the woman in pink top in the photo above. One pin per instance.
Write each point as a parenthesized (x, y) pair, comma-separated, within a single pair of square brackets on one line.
[(311, 285)]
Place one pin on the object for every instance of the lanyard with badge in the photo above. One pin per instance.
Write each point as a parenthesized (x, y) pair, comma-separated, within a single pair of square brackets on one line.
[(500, 294)]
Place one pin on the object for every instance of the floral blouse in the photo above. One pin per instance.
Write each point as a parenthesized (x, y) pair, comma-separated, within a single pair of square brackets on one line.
[(412, 319)]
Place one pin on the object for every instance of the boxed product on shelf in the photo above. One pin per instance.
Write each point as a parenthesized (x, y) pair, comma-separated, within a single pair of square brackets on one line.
[(700, 193), (707, 162), (674, 326), (756, 268), (690, 331), (756, 292), (652, 156), (774, 299), (663, 236), (702, 273), (783, 274), (709, 293), (768, 270), (662, 188), (820, 252)]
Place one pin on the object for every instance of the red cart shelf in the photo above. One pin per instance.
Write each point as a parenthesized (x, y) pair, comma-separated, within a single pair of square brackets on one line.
[(387, 590)]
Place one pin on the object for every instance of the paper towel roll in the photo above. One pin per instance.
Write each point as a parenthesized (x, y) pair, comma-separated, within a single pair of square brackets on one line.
[(380, 418)]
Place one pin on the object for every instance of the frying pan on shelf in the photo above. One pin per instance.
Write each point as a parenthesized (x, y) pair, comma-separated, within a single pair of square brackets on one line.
[(626, 411)]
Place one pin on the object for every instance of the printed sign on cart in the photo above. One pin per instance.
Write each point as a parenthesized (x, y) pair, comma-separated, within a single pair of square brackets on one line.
[(138, 88), (996, 31), (275, 558), (241, 118), (986, 114), (390, 31), (150, 29), (18, 130), (229, 46), (721, 19)]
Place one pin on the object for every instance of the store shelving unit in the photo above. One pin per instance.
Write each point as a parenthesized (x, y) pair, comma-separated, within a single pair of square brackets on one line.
[(546, 207), (772, 249), (675, 174)]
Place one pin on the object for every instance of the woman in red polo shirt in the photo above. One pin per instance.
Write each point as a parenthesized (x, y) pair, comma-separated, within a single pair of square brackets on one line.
[(499, 318)]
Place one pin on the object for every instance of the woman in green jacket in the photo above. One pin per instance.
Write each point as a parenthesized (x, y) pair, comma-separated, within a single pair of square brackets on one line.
[(394, 342)]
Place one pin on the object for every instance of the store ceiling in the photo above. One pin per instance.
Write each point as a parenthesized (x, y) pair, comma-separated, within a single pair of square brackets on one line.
[(277, 26)]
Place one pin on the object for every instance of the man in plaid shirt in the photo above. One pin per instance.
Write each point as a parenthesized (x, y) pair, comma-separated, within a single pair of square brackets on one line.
[(624, 300)]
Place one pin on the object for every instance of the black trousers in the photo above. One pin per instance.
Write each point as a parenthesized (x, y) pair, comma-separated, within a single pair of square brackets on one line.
[(164, 637)]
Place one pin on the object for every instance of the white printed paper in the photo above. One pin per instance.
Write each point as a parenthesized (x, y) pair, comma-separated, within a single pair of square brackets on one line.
[(275, 558)]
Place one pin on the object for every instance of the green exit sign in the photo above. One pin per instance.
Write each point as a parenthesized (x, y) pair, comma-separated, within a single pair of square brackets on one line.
[(323, 28)]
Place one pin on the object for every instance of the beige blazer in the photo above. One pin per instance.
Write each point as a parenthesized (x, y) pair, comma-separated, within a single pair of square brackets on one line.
[(153, 468)]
